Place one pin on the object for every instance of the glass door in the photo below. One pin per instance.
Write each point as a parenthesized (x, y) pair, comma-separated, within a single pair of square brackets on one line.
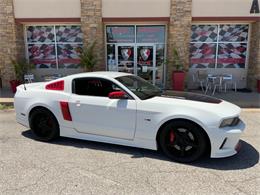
[(138, 59), (145, 62), (125, 58)]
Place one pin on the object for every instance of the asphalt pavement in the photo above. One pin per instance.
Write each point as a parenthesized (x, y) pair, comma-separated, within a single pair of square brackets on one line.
[(70, 166)]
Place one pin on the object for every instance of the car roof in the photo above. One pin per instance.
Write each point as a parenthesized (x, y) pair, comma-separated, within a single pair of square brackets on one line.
[(103, 74)]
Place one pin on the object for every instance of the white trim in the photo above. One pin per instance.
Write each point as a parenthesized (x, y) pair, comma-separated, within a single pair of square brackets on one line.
[(248, 46), (217, 46), (56, 49)]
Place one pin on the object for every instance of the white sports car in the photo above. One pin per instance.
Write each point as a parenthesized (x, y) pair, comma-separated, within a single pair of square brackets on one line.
[(124, 109)]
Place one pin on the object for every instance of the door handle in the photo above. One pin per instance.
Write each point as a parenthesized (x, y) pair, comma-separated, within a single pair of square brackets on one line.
[(77, 103)]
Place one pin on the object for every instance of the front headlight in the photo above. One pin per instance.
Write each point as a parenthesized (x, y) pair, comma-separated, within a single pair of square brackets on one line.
[(229, 122)]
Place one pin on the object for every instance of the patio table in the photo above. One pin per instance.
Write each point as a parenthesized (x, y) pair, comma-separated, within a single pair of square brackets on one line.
[(211, 81)]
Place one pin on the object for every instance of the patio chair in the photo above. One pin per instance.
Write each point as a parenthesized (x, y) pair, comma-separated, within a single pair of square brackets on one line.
[(201, 78), (214, 83), (228, 80)]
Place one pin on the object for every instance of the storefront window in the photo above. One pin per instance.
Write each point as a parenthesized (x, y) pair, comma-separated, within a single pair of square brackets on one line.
[(160, 61), (233, 33), (54, 46), (203, 55), (219, 46), (111, 57)]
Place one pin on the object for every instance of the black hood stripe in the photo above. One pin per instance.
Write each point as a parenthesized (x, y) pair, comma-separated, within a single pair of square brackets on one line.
[(192, 97)]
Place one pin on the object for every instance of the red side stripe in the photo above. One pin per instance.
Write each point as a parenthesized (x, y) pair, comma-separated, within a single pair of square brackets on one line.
[(65, 111)]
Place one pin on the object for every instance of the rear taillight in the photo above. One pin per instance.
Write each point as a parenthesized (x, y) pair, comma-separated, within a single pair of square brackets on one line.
[(58, 86), (65, 111)]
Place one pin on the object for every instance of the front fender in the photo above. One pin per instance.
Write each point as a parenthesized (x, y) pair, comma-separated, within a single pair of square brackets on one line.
[(186, 117)]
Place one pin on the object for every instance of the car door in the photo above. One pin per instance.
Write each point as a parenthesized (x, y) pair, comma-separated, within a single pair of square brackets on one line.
[(93, 112)]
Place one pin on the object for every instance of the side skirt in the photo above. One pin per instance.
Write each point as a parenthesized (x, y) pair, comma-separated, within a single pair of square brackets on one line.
[(138, 143)]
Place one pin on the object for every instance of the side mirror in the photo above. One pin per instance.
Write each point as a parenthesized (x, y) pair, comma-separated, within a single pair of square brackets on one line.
[(117, 95)]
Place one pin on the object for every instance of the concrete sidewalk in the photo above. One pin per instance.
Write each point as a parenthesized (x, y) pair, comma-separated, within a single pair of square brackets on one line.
[(242, 99)]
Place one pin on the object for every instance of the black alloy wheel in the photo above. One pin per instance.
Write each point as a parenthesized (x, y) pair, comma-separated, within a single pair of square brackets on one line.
[(44, 125), (183, 141)]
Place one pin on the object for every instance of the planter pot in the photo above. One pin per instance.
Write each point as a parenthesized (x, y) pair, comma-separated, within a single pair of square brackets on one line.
[(258, 85), (178, 78), (14, 84)]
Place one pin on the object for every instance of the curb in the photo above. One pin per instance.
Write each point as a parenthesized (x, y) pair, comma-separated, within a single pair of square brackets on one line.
[(250, 109), (7, 103)]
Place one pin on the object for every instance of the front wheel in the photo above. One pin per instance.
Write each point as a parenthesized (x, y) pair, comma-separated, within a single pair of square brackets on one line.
[(44, 124), (182, 141)]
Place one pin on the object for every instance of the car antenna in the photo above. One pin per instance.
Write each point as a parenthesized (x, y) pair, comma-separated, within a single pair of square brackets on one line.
[(24, 85)]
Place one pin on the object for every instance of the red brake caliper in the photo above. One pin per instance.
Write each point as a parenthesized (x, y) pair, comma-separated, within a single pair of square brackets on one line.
[(172, 136)]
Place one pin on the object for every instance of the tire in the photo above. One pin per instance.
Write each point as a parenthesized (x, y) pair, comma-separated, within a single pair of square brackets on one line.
[(183, 141), (44, 125)]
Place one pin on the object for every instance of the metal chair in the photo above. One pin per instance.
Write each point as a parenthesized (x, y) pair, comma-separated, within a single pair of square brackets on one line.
[(201, 78), (228, 80), (214, 83)]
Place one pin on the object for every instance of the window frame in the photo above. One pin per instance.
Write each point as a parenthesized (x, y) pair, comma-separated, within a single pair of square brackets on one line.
[(107, 80), (165, 25), (224, 42), (55, 43)]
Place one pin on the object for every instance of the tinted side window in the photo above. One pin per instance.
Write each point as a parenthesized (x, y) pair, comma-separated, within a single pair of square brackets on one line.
[(93, 87)]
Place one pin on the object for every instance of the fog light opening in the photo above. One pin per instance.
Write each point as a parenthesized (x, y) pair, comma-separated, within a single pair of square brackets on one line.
[(238, 146), (223, 143)]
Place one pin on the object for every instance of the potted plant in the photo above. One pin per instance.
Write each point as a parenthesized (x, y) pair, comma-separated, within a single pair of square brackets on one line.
[(88, 58), (21, 67), (178, 75)]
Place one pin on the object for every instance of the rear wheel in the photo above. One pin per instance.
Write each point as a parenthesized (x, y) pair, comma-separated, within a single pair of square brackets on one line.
[(44, 124), (182, 141)]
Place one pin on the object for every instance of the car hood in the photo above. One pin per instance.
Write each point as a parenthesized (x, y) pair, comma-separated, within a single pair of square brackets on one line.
[(191, 103), (191, 97)]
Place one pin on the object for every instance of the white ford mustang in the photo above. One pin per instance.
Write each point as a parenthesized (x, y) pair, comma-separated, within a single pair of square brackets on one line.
[(124, 109)]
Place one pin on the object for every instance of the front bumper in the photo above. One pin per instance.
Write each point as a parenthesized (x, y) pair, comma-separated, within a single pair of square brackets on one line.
[(225, 141)]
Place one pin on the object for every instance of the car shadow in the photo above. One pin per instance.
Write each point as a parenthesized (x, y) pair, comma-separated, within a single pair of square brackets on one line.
[(247, 157)]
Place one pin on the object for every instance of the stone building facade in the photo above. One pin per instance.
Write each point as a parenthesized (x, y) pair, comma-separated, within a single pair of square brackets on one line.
[(11, 41), (179, 33), (134, 36), (92, 28), (254, 58)]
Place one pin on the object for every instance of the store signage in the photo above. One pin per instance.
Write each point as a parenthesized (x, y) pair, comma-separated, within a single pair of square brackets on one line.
[(255, 7), (150, 34), (120, 34), (145, 55), (126, 53)]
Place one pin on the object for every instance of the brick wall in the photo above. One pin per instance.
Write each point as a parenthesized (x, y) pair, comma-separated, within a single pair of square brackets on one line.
[(179, 34), (254, 57), (11, 41), (92, 28)]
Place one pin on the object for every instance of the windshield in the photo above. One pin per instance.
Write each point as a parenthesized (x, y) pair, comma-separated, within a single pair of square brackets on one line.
[(139, 86)]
